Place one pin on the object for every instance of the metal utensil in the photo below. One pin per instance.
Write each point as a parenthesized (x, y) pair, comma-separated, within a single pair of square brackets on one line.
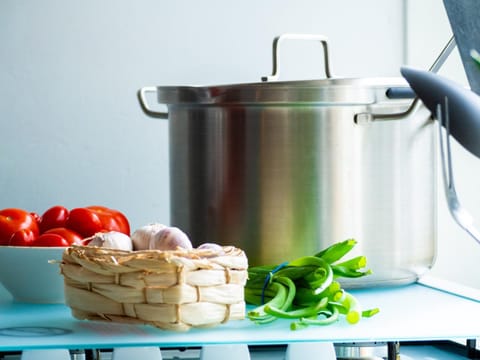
[(456, 109), (459, 213)]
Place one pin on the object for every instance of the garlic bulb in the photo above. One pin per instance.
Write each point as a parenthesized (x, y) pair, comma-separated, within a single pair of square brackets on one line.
[(141, 237), (112, 240), (170, 238)]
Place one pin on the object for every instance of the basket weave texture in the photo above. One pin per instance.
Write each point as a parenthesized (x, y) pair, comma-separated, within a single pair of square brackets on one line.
[(174, 290)]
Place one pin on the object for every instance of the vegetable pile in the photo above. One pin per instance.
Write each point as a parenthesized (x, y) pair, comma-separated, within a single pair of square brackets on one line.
[(154, 236), (306, 289), (91, 225), (58, 226)]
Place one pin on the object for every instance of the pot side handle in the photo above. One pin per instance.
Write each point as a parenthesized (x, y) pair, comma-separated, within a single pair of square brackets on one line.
[(395, 93), (276, 50), (400, 93), (142, 98)]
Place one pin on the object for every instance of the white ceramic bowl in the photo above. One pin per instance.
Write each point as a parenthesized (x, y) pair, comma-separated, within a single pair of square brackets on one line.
[(29, 276)]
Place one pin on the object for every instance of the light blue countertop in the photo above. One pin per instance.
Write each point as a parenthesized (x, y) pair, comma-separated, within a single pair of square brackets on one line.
[(411, 312)]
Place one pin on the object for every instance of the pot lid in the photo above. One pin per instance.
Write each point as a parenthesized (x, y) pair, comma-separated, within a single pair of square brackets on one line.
[(332, 90), (335, 91)]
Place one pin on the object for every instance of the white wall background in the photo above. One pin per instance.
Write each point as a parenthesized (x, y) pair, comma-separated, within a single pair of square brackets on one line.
[(71, 129)]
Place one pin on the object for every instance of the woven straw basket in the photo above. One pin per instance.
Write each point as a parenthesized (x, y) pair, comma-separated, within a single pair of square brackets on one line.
[(173, 290)]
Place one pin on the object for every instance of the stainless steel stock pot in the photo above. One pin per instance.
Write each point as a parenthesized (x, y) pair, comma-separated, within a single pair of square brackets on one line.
[(283, 169)]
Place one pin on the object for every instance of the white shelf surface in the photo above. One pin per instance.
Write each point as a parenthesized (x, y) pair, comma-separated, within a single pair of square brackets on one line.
[(407, 313)]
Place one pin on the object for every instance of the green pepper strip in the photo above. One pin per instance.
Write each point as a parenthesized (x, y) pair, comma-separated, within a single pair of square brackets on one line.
[(254, 295), (341, 271), (308, 321), (257, 275), (307, 297), (370, 312), (336, 251), (320, 277), (296, 272), (352, 307), (298, 313), (283, 301), (292, 292), (279, 298), (317, 277), (326, 282), (308, 261), (355, 263), (332, 289)]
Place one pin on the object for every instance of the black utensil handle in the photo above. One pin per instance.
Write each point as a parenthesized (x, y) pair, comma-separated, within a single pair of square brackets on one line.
[(400, 93), (463, 104)]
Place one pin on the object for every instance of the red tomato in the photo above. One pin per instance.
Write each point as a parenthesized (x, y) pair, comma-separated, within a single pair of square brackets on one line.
[(84, 221), (54, 217), (23, 237), (112, 220), (12, 220), (71, 236), (36, 217), (92, 219), (50, 240)]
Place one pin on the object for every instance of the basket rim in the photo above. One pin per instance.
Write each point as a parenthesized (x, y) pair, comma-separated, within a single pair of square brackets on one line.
[(190, 253)]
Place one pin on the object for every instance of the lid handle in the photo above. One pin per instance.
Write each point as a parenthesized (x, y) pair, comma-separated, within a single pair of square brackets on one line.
[(312, 37)]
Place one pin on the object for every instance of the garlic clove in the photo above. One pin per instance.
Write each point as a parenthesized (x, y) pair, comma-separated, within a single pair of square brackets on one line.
[(212, 246), (112, 240), (141, 237), (170, 238)]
